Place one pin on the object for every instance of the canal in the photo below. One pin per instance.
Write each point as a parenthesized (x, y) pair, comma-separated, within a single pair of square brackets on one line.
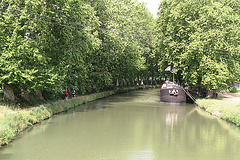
[(130, 126)]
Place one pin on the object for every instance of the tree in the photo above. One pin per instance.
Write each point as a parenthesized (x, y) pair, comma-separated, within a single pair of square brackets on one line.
[(81, 44), (42, 43), (23, 63), (201, 40), (124, 31)]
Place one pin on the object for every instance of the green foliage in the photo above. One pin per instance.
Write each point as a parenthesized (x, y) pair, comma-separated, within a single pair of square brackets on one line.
[(23, 60), (201, 40), (233, 89), (120, 53), (88, 45)]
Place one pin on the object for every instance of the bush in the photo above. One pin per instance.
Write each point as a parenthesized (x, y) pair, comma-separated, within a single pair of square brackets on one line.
[(233, 89)]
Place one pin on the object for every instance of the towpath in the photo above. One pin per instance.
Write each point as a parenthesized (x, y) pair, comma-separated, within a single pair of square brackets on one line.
[(231, 96)]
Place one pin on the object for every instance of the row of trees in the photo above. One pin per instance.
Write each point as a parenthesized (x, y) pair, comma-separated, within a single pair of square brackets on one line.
[(82, 44), (91, 45)]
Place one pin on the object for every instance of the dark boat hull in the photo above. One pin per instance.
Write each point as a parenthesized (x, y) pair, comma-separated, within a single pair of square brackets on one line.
[(165, 95)]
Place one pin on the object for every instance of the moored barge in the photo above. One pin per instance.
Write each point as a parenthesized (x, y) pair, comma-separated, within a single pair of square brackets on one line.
[(172, 93)]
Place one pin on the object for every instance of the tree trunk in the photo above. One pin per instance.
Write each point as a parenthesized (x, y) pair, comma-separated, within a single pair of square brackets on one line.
[(152, 78), (39, 95), (142, 81), (8, 93), (155, 79), (212, 94), (133, 79), (147, 80), (160, 79), (25, 95), (124, 80), (117, 84), (137, 80)]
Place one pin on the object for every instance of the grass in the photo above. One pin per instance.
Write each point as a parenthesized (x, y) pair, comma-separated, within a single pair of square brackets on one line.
[(14, 121), (223, 108)]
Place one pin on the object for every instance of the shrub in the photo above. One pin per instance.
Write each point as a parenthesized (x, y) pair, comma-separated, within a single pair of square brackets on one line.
[(233, 89)]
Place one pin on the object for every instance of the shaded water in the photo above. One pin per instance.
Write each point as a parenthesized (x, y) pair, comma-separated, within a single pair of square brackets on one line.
[(131, 126)]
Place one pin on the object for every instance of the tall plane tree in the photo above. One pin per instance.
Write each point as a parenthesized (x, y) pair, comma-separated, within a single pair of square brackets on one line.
[(201, 40)]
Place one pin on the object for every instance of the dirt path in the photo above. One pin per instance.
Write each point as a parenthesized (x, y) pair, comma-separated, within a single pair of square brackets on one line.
[(231, 96)]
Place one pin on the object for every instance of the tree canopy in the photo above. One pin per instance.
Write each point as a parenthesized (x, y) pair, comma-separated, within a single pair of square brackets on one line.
[(81, 44), (50, 46), (200, 39)]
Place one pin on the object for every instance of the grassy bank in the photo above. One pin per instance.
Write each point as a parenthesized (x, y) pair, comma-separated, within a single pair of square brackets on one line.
[(224, 108), (13, 121)]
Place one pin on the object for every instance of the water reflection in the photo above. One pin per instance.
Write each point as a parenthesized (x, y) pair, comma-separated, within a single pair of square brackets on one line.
[(147, 154), (90, 107), (175, 113)]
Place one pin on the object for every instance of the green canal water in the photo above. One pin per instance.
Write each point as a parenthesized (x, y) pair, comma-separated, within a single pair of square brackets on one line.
[(131, 126)]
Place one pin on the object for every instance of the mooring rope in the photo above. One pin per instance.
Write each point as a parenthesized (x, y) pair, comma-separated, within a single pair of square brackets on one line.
[(189, 94)]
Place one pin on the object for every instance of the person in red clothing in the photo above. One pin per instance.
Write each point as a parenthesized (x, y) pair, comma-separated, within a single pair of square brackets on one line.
[(66, 95)]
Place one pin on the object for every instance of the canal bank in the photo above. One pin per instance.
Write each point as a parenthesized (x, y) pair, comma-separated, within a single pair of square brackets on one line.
[(226, 107), (128, 126), (14, 121)]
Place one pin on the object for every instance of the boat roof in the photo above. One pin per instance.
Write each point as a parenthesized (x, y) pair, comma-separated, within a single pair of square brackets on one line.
[(169, 84)]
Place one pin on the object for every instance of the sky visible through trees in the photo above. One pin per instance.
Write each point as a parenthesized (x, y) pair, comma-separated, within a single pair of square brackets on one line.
[(152, 6)]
